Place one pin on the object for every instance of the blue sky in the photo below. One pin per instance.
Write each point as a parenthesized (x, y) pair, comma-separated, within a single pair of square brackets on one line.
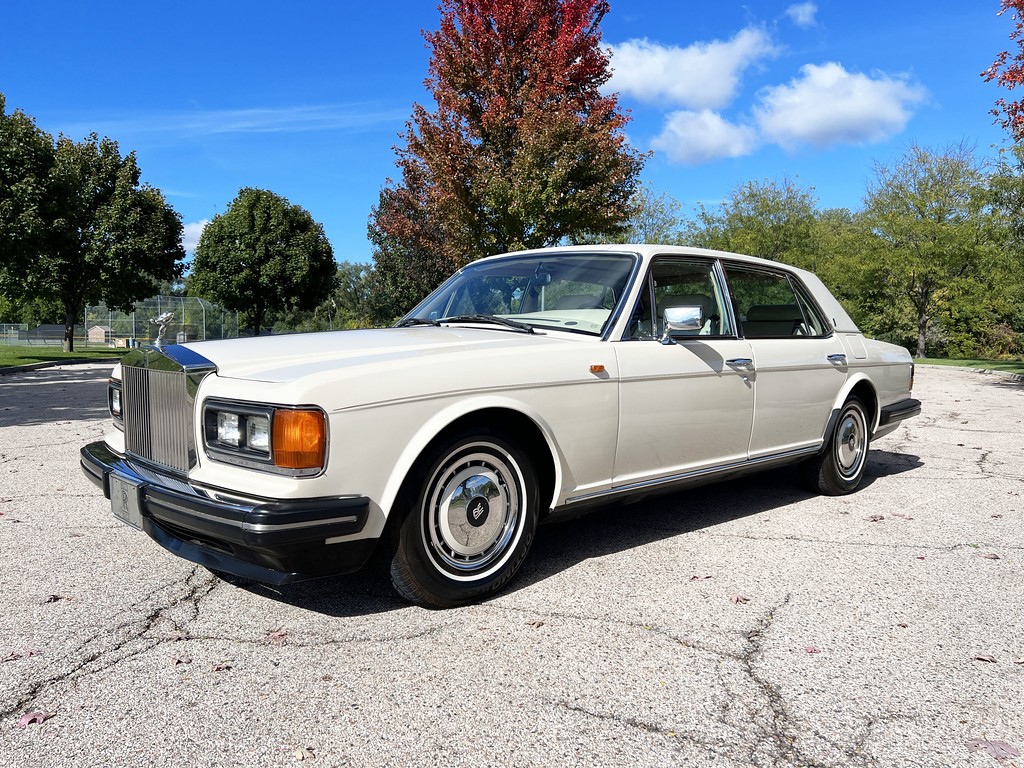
[(307, 98)]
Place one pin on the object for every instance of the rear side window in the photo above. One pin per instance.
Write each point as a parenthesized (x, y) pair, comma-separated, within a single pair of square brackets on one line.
[(772, 305)]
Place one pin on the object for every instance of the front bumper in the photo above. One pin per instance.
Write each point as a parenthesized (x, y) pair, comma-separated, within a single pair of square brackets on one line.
[(274, 542)]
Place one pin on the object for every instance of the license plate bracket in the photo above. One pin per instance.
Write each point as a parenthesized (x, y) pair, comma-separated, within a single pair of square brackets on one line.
[(126, 501)]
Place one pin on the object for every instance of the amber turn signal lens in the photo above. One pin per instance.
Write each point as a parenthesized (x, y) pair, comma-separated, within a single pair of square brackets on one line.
[(300, 439)]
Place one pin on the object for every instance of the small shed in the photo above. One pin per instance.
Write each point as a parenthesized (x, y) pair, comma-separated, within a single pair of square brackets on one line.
[(100, 334)]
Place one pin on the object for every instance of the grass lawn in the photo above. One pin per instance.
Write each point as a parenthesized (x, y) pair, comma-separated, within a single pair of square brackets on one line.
[(1010, 366), (24, 355)]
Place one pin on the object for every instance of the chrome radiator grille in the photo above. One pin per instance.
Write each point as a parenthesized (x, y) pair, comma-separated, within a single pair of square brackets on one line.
[(158, 424)]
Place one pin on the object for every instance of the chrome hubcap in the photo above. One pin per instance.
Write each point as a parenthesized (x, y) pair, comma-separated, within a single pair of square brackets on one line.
[(473, 514), (851, 440)]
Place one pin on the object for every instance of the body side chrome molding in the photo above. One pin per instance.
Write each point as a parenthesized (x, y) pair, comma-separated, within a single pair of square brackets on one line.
[(697, 474)]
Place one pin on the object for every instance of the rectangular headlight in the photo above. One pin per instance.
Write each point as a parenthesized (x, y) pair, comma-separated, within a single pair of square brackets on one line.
[(114, 401), (229, 431), (257, 433), (288, 440)]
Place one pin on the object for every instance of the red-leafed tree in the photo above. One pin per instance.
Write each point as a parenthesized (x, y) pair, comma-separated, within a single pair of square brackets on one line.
[(522, 150), (1008, 72)]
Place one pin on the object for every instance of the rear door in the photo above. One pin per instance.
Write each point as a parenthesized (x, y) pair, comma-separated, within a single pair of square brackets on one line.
[(799, 362)]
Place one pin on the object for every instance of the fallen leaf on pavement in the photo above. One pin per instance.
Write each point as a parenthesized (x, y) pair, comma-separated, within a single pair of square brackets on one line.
[(739, 599), (221, 666), (15, 655), (1017, 661), (699, 578), (1000, 750), (304, 754), (812, 649), (55, 598), (875, 518), (990, 556), (34, 718), (987, 658), (278, 636), (536, 623)]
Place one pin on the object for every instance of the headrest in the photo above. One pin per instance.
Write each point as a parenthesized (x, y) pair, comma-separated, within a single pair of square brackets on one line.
[(759, 313)]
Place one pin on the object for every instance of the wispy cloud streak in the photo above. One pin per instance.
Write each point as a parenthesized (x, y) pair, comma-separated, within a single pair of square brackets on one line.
[(299, 119)]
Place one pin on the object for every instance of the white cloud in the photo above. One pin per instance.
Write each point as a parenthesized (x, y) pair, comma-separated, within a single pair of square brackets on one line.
[(192, 231), (700, 76), (700, 137), (826, 105), (802, 14)]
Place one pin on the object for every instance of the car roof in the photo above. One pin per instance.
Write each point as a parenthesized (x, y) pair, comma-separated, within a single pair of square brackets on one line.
[(841, 321)]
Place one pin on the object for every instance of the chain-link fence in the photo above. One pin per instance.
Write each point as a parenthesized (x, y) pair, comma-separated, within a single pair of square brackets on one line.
[(184, 318), (12, 333)]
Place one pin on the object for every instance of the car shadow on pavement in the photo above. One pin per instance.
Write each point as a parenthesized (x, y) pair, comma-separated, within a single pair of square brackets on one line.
[(47, 395), (604, 531), (364, 593), (617, 528)]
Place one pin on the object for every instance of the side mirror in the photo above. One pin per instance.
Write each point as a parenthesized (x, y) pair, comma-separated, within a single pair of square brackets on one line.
[(684, 319)]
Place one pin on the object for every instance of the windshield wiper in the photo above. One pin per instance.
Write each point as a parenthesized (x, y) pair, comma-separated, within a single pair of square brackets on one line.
[(409, 321), (513, 324)]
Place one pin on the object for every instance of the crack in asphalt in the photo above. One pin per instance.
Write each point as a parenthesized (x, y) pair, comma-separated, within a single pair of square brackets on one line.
[(648, 727), (780, 731), (132, 644)]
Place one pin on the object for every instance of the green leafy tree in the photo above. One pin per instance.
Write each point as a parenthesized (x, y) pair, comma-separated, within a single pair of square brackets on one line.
[(656, 218), (26, 156), (83, 228), (932, 217), (262, 256), (849, 260), (523, 150), (348, 306), (771, 219)]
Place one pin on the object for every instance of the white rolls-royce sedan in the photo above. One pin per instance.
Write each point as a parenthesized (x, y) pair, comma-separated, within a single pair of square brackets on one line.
[(528, 387)]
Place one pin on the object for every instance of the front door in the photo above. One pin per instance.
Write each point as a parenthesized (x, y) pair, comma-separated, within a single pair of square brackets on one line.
[(688, 405)]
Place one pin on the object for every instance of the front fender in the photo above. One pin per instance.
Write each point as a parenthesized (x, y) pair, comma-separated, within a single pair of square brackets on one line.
[(453, 412)]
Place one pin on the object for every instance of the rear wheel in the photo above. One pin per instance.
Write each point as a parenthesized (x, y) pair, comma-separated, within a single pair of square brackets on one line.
[(840, 468), (472, 514)]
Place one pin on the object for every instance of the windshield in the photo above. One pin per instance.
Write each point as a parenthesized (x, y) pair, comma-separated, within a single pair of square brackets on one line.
[(567, 291)]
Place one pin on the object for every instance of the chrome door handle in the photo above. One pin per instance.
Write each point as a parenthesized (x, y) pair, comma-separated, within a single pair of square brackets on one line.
[(740, 361), (840, 358)]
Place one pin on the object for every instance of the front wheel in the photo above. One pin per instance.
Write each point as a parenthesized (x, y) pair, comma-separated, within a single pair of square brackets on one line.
[(840, 468), (472, 516)]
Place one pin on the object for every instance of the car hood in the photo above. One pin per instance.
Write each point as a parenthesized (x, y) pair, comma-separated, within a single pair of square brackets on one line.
[(289, 357)]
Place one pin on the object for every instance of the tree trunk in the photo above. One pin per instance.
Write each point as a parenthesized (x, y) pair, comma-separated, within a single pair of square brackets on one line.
[(922, 331), (69, 330)]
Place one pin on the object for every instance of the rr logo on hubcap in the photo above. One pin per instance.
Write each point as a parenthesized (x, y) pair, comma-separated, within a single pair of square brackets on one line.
[(477, 511)]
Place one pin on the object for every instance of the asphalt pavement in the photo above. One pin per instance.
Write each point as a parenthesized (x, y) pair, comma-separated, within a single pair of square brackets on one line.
[(742, 624)]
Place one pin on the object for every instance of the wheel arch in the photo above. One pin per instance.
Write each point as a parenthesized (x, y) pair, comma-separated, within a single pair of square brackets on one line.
[(860, 386), (527, 428)]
